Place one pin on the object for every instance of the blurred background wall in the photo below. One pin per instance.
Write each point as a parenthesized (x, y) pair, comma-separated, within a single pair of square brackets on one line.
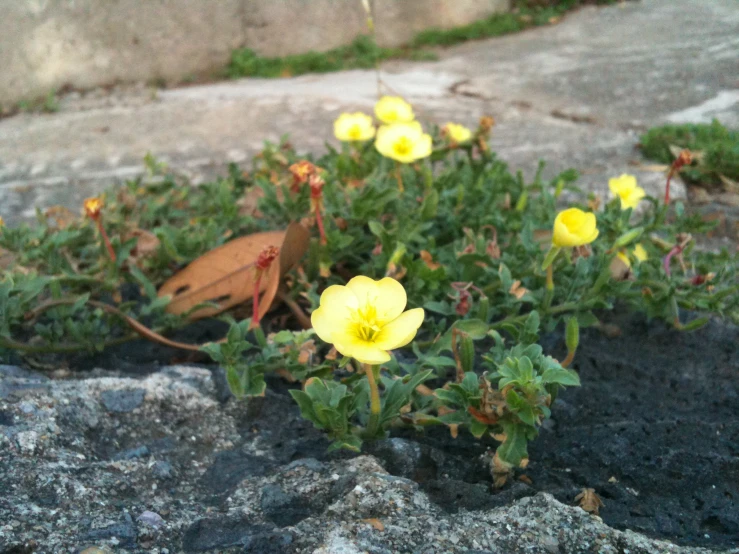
[(53, 44)]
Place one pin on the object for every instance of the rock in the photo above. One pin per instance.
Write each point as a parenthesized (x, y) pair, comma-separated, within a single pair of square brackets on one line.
[(230, 468), (152, 519), (281, 508), (162, 470), (124, 533), (225, 532), (133, 453), (122, 401)]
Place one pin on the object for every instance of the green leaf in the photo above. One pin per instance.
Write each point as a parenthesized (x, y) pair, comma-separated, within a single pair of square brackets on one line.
[(430, 205), (572, 334), (477, 428), (560, 376), (348, 442), (513, 449), (530, 330), (475, 328)]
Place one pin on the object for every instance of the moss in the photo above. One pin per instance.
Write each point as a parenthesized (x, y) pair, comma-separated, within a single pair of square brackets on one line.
[(719, 147)]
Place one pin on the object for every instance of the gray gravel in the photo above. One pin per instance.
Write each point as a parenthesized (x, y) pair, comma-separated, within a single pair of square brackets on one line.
[(165, 475)]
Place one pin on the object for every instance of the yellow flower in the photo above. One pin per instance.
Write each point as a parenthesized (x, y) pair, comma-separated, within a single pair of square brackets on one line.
[(403, 142), (624, 258), (93, 206), (365, 318), (354, 126), (1, 222), (640, 253), (393, 109), (627, 190), (574, 227), (457, 133)]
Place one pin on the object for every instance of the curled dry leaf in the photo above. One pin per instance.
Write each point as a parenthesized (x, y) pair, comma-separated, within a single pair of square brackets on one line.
[(226, 275), (517, 290), (501, 471), (147, 244), (428, 259), (589, 501)]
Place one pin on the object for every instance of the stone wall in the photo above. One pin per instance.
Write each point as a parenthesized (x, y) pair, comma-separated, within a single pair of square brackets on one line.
[(48, 44)]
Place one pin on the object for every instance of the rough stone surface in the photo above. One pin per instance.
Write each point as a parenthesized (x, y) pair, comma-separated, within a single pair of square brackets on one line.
[(68, 494), (87, 43), (576, 94)]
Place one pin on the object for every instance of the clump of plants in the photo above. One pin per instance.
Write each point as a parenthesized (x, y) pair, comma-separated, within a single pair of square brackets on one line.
[(402, 279), (714, 148)]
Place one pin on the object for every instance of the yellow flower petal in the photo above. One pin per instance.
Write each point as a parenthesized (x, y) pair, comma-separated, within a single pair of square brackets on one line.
[(393, 109), (458, 133), (573, 227), (401, 330), (387, 296), (364, 352), (640, 253), (627, 190), (354, 127), (334, 311), (403, 142)]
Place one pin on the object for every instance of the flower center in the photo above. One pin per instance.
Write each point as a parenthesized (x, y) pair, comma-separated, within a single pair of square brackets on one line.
[(403, 146), (365, 325), (354, 131)]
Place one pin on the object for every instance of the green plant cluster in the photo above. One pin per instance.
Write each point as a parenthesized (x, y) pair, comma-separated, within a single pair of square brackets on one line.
[(465, 236), (715, 148)]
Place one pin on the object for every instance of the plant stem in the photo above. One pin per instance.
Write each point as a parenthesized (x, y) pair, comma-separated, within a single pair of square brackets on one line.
[(399, 177), (549, 294), (106, 240), (255, 300), (375, 405)]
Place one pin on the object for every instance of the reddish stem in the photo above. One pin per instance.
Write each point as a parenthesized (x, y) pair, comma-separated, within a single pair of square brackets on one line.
[(106, 240), (677, 249), (255, 308), (319, 222)]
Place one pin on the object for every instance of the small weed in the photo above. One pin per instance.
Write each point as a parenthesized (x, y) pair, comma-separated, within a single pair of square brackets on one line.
[(715, 146)]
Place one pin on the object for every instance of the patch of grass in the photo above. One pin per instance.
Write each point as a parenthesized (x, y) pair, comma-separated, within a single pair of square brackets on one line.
[(363, 52), (360, 54), (717, 145)]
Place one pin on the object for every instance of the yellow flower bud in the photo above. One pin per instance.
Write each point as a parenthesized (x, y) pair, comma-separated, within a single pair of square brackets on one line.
[(457, 133), (627, 190), (393, 109), (403, 142), (92, 207), (574, 227), (354, 127), (365, 319)]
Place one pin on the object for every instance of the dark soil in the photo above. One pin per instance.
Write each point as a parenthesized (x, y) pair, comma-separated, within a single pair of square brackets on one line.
[(654, 429)]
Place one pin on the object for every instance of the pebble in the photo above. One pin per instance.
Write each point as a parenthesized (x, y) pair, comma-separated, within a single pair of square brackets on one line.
[(123, 400)]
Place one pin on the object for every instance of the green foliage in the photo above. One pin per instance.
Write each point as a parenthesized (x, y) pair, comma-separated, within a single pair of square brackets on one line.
[(466, 237), (362, 53), (717, 149)]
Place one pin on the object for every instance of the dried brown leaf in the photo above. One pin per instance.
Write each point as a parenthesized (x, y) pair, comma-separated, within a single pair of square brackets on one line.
[(501, 471), (428, 259), (517, 290), (589, 501), (226, 275)]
